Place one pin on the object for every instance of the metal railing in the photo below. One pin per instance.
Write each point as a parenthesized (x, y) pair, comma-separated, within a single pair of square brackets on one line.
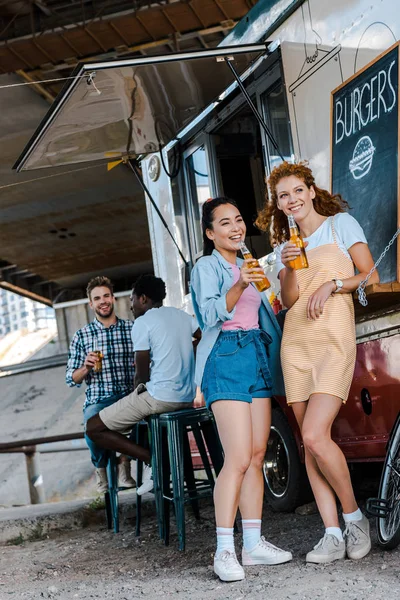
[(37, 364), (33, 448)]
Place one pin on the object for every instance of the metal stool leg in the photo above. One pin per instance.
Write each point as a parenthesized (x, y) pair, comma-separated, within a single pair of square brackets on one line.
[(175, 447), (139, 472), (108, 509), (189, 475), (203, 453), (166, 487), (155, 437), (112, 476)]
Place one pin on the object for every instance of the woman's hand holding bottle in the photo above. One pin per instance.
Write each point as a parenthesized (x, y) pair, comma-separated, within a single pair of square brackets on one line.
[(250, 274), (289, 253)]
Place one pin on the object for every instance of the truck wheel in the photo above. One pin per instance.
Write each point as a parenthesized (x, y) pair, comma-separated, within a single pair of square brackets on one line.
[(285, 477)]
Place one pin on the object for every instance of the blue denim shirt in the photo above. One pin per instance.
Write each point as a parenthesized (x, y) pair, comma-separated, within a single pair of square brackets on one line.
[(211, 279)]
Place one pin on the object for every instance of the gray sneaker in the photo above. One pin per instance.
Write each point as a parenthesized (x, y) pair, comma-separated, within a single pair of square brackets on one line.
[(358, 540), (125, 480), (328, 549), (101, 480)]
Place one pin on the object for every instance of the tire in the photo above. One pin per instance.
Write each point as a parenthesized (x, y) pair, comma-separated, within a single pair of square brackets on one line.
[(286, 484), (388, 527)]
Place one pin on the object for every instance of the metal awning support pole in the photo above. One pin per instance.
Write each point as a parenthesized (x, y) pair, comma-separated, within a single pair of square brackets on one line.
[(136, 171), (253, 107)]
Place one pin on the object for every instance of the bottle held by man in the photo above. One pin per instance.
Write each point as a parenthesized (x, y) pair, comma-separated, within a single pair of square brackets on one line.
[(301, 262), (98, 367), (262, 285)]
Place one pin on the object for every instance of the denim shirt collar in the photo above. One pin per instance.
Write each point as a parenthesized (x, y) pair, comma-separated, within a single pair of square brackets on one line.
[(224, 263)]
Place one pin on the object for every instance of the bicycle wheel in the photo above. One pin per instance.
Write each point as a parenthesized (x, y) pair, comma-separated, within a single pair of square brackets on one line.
[(388, 526)]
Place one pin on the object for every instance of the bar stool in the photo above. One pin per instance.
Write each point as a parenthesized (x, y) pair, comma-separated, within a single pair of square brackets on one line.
[(171, 460), (139, 435)]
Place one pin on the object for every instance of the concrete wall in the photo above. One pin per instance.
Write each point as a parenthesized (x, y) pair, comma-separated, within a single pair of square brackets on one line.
[(39, 404)]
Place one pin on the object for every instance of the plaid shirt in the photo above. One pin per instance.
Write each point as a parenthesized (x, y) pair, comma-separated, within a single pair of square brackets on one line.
[(117, 374)]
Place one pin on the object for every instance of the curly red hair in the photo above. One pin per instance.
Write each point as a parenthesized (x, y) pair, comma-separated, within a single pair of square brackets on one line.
[(274, 220)]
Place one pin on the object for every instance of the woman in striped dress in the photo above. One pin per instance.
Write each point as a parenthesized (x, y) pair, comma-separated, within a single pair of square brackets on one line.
[(319, 344)]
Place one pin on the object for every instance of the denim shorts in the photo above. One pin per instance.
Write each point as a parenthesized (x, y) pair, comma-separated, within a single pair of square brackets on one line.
[(237, 367)]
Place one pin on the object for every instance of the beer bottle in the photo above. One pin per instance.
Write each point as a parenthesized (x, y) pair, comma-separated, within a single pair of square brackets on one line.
[(301, 262), (262, 285), (98, 366)]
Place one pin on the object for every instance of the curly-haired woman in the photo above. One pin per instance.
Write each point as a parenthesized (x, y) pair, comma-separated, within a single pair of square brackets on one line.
[(319, 344)]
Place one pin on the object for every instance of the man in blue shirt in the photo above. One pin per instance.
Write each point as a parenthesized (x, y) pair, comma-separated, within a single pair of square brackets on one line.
[(164, 372), (112, 337)]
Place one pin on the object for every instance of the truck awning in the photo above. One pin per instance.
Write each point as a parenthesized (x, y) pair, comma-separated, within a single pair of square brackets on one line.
[(131, 107)]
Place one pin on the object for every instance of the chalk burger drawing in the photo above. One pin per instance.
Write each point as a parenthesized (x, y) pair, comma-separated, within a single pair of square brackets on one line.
[(363, 155)]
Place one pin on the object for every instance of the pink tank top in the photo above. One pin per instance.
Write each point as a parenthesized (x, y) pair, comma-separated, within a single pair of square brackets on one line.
[(246, 313)]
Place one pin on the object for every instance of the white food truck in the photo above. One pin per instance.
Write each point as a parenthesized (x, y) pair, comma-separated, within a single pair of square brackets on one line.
[(313, 79)]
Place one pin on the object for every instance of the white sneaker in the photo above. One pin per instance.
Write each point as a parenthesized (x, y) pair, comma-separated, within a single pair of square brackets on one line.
[(227, 566), (265, 553), (125, 479), (328, 549), (101, 480), (147, 481)]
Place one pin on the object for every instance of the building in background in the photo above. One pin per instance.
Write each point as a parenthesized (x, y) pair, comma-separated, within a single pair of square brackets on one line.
[(18, 313)]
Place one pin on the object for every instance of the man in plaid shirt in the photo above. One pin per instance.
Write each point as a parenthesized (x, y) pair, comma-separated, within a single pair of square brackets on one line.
[(112, 337)]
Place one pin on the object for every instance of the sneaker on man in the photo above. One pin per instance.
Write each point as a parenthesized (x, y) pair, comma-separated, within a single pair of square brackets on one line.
[(265, 553), (101, 480), (328, 549), (125, 479), (147, 481), (227, 566), (357, 537)]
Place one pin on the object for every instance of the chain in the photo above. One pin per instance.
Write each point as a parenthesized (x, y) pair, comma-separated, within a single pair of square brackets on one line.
[(362, 298)]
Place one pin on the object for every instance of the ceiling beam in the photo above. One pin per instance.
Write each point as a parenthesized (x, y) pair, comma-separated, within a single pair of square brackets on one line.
[(41, 4), (128, 28), (24, 292)]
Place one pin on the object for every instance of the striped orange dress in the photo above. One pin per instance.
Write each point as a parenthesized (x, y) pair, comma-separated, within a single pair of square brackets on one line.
[(319, 356)]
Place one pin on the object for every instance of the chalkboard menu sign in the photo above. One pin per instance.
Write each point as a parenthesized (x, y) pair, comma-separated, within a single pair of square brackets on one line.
[(365, 142)]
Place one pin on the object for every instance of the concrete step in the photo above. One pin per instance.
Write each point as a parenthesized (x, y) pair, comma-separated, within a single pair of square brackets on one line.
[(34, 522)]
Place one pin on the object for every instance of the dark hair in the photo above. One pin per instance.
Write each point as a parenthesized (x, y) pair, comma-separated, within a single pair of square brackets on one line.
[(100, 281), (207, 219), (150, 286)]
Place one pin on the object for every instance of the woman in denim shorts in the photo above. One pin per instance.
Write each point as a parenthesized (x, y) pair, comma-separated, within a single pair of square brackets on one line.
[(238, 370)]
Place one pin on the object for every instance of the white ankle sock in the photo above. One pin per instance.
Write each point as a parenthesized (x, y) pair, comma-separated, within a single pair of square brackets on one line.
[(224, 540), (251, 532), (336, 531), (354, 516)]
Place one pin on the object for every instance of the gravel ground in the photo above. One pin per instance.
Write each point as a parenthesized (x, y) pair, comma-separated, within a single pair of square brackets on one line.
[(94, 563)]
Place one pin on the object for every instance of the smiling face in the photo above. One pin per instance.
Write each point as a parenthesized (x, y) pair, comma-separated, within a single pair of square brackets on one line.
[(228, 228), (294, 197), (102, 302)]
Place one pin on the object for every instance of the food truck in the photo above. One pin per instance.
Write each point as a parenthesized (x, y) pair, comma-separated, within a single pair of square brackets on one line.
[(312, 79)]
